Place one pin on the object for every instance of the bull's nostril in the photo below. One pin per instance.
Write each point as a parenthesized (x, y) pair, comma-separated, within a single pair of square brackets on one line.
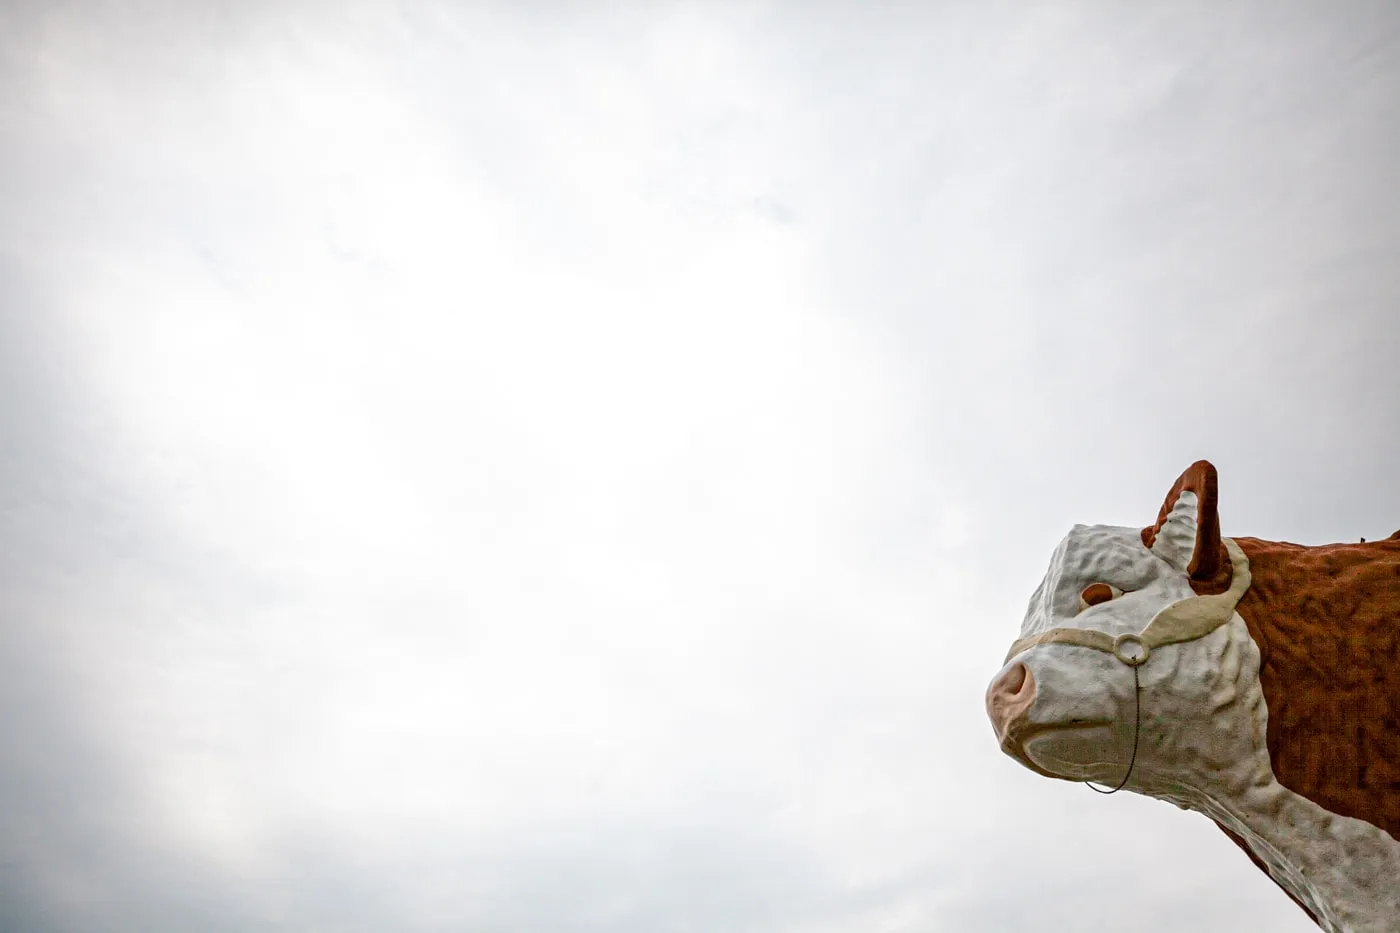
[(1013, 680), (1010, 697)]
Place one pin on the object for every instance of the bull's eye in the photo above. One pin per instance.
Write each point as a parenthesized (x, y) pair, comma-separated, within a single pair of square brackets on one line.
[(1096, 593)]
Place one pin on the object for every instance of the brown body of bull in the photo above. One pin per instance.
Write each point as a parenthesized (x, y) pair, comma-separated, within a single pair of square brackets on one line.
[(1327, 622)]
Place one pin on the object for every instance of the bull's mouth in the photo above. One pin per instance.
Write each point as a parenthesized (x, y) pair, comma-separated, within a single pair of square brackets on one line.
[(1032, 730), (1015, 740)]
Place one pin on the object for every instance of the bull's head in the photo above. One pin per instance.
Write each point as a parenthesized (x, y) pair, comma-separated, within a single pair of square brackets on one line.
[(1130, 654)]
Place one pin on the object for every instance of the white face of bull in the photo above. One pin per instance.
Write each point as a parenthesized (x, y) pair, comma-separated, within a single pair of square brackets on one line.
[(1067, 711)]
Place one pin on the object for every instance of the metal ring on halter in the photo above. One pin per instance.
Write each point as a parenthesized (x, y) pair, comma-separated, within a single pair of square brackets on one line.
[(1128, 638)]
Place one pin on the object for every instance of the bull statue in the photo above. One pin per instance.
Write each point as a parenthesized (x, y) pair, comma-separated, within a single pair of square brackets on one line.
[(1256, 682)]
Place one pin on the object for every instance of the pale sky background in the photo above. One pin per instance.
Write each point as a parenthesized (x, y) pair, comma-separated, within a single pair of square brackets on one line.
[(536, 467)]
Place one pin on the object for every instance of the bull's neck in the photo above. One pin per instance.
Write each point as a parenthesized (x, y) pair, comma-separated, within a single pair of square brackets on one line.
[(1341, 869)]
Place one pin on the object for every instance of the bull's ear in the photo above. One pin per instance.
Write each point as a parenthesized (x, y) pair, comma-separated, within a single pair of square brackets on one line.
[(1187, 533)]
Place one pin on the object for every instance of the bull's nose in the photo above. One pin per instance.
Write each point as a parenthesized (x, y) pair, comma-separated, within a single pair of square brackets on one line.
[(1009, 697)]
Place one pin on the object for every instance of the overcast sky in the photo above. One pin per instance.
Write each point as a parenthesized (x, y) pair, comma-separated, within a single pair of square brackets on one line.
[(575, 467)]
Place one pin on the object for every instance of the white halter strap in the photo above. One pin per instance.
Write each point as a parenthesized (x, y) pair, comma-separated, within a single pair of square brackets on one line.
[(1186, 620)]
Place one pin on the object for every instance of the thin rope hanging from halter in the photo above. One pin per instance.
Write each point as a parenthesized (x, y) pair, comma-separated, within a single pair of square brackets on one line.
[(1137, 730)]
